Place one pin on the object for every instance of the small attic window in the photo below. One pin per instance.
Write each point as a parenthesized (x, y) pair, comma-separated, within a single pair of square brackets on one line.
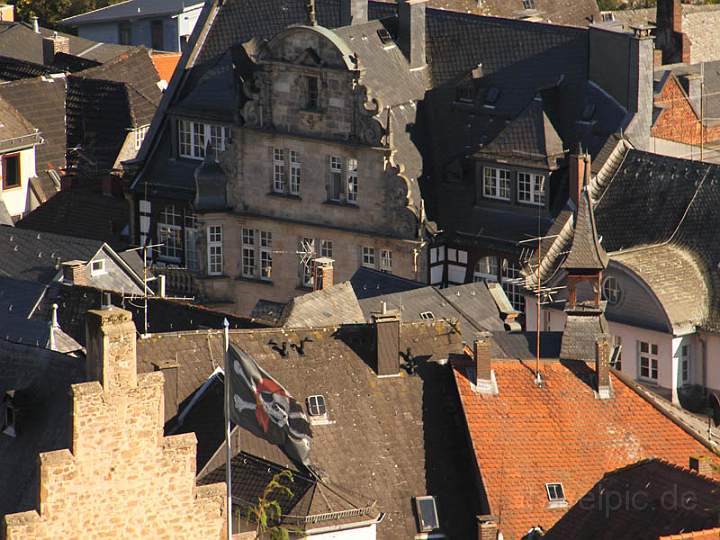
[(97, 268), (427, 316), (555, 494), (385, 36), (427, 513), (491, 95), (316, 405)]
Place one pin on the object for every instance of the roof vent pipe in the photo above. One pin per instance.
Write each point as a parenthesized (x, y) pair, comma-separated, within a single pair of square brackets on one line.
[(35, 24), (106, 301)]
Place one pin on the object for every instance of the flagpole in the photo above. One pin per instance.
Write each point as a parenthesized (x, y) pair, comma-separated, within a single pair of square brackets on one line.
[(228, 449)]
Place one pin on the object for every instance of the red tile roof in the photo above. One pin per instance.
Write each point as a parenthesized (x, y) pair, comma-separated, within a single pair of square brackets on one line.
[(165, 64), (709, 534), (527, 436)]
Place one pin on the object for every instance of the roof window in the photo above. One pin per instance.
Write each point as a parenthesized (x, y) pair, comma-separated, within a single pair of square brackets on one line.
[(385, 36), (427, 513), (528, 4), (316, 405), (491, 95), (427, 316), (556, 494)]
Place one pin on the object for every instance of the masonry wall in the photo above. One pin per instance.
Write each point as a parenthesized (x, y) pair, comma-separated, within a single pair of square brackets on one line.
[(122, 478), (678, 121)]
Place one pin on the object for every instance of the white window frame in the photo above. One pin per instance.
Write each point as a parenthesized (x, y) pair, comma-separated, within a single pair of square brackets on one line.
[(279, 170), (611, 291), (190, 242), (306, 270), (531, 188), (295, 173), (368, 257), (422, 526), (486, 269), (140, 135), (336, 175), (650, 358), (265, 255), (248, 256), (169, 229), (510, 271), (100, 270), (326, 248), (317, 406), (352, 181), (386, 260), (496, 183), (194, 136), (427, 315), (215, 250), (685, 364)]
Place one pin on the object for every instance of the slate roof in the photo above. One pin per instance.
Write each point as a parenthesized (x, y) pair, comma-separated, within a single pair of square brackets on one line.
[(527, 436), (12, 69), (19, 41), (368, 282), (130, 9), (33, 256), (42, 102), (334, 305), (522, 345), (586, 253), (385, 444), (584, 325), (648, 480), (41, 380), (82, 213), (15, 131)]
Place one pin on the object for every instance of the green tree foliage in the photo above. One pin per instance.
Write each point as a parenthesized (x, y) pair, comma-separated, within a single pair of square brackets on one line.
[(51, 11), (267, 512)]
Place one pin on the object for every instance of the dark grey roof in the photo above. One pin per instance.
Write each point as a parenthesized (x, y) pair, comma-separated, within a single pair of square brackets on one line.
[(41, 380), (400, 449), (586, 253), (522, 345), (5, 217), (471, 305), (583, 327), (368, 282), (42, 102), (34, 256), (131, 9), (15, 131), (332, 306)]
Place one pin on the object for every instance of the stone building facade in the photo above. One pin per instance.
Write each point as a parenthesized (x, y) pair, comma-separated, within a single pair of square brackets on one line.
[(121, 478)]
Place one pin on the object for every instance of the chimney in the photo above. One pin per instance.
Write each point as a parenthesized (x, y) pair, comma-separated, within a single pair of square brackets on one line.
[(602, 366), (579, 173), (411, 31), (353, 12), (487, 528), (53, 45), (484, 377), (669, 36), (111, 354), (387, 344), (703, 465), (169, 369), (323, 273), (7, 13), (35, 25), (669, 15), (75, 273)]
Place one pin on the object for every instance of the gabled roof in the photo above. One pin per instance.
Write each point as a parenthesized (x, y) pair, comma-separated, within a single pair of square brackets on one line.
[(42, 101), (334, 305), (383, 444), (15, 131), (649, 480), (586, 253), (131, 10), (528, 436), (41, 380)]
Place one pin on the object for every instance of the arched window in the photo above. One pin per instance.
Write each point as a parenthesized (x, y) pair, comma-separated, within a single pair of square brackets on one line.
[(611, 291)]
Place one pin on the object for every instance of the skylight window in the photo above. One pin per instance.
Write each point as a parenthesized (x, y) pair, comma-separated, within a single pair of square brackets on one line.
[(316, 405), (427, 513), (555, 494), (427, 316), (385, 36), (491, 95)]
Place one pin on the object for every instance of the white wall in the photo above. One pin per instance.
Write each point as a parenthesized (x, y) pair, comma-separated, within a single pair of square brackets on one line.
[(16, 199)]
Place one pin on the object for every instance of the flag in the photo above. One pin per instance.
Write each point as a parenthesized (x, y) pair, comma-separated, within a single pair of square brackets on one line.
[(261, 405)]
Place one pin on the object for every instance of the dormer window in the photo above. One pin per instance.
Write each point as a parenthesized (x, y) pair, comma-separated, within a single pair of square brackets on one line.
[(427, 513), (97, 268), (531, 188), (192, 138), (556, 494), (496, 183), (312, 101)]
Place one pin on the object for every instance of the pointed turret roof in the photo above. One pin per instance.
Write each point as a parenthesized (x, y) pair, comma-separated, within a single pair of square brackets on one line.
[(586, 253)]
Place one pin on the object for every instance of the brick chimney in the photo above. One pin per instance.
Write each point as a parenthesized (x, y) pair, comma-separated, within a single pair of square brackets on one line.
[(53, 45), (323, 273), (579, 169), (111, 354), (411, 31), (484, 376), (75, 273), (387, 342), (353, 12), (669, 36), (603, 350), (487, 528)]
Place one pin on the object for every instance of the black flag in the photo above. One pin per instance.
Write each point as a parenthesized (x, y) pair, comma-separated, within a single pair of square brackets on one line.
[(261, 405)]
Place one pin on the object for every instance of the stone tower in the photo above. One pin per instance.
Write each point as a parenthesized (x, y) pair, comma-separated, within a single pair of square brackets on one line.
[(122, 478)]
